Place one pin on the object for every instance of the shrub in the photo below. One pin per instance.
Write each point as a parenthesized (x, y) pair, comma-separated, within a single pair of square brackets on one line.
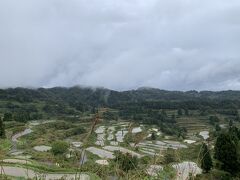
[(59, 147), (126, 161)]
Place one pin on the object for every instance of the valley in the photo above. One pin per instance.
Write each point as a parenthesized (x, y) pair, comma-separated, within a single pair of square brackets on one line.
[(109, 143)]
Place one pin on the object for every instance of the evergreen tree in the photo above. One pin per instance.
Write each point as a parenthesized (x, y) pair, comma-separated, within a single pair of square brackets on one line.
[(186, 112), (206, 160), (173, 118), (2, 129), (226, 153), (180, 112), (237, 118), (234, 134), (153, 136), (217, 128), (7, 117)]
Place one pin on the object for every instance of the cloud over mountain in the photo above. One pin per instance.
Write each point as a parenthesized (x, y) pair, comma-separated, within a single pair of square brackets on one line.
[(122, 44)]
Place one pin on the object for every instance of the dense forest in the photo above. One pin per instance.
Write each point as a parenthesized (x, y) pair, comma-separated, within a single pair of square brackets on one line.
[(147, 97)]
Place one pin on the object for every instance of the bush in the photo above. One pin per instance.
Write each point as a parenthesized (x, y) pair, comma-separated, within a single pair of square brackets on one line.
[(75, 131), (59, 147), (170, 156), (126, 161)]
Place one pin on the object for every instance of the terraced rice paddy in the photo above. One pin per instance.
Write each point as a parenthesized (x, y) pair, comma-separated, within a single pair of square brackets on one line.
[(154, 147), (153, 170), (104, 154), (42, 148), (193, 124), (107, 140), (100, 131), (123, 150), (204, 134), (120, 135), (185, 168), (136, 130), (189, 141), (77, 144), (102, 162), (19, 161), (28, 173)]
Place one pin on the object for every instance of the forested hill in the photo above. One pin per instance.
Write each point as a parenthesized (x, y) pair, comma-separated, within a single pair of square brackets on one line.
[(106, 97)]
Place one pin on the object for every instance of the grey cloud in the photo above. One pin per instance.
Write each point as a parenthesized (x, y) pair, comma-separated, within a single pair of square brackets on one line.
[(122, 44)]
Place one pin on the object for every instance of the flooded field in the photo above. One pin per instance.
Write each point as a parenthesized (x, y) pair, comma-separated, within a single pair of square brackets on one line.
[(204, 134), (102, 162), (120, 135), (153, 147), (42, 148), (28, 173), (185, 168), (189, 141), (153, 170), (136, 130), (123, 150), (100, 131), (101, 153)]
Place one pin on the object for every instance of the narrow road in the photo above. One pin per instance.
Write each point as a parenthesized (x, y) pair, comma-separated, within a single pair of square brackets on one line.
[(15, 138)]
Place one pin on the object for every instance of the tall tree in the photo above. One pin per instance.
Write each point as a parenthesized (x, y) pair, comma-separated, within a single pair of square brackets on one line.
[(206, 160), (230, 123), (180, 112), (7, 116), (153, 136), (226, 153), (237, 118), (2, 129), (217, 128)]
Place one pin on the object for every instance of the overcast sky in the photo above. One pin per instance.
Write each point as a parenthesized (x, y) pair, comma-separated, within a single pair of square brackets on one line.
[(120, 44)]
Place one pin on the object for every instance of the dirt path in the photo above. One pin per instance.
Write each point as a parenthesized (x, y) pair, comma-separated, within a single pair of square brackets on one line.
[(16, 137)]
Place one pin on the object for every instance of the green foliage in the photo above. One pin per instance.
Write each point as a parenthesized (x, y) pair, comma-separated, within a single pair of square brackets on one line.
[(206, 160), (153, 136), (237, 118), (217, 128), (7, 116), (215, 174), (180, 113), (22, 116), (4, 177), (59, 125), (110, 115), (213, 120), (170, 156), (126, 161), (234, 134), (5, 144), (227, 153), (2, 129), (168, 173), (75, 131), (59, 147)]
